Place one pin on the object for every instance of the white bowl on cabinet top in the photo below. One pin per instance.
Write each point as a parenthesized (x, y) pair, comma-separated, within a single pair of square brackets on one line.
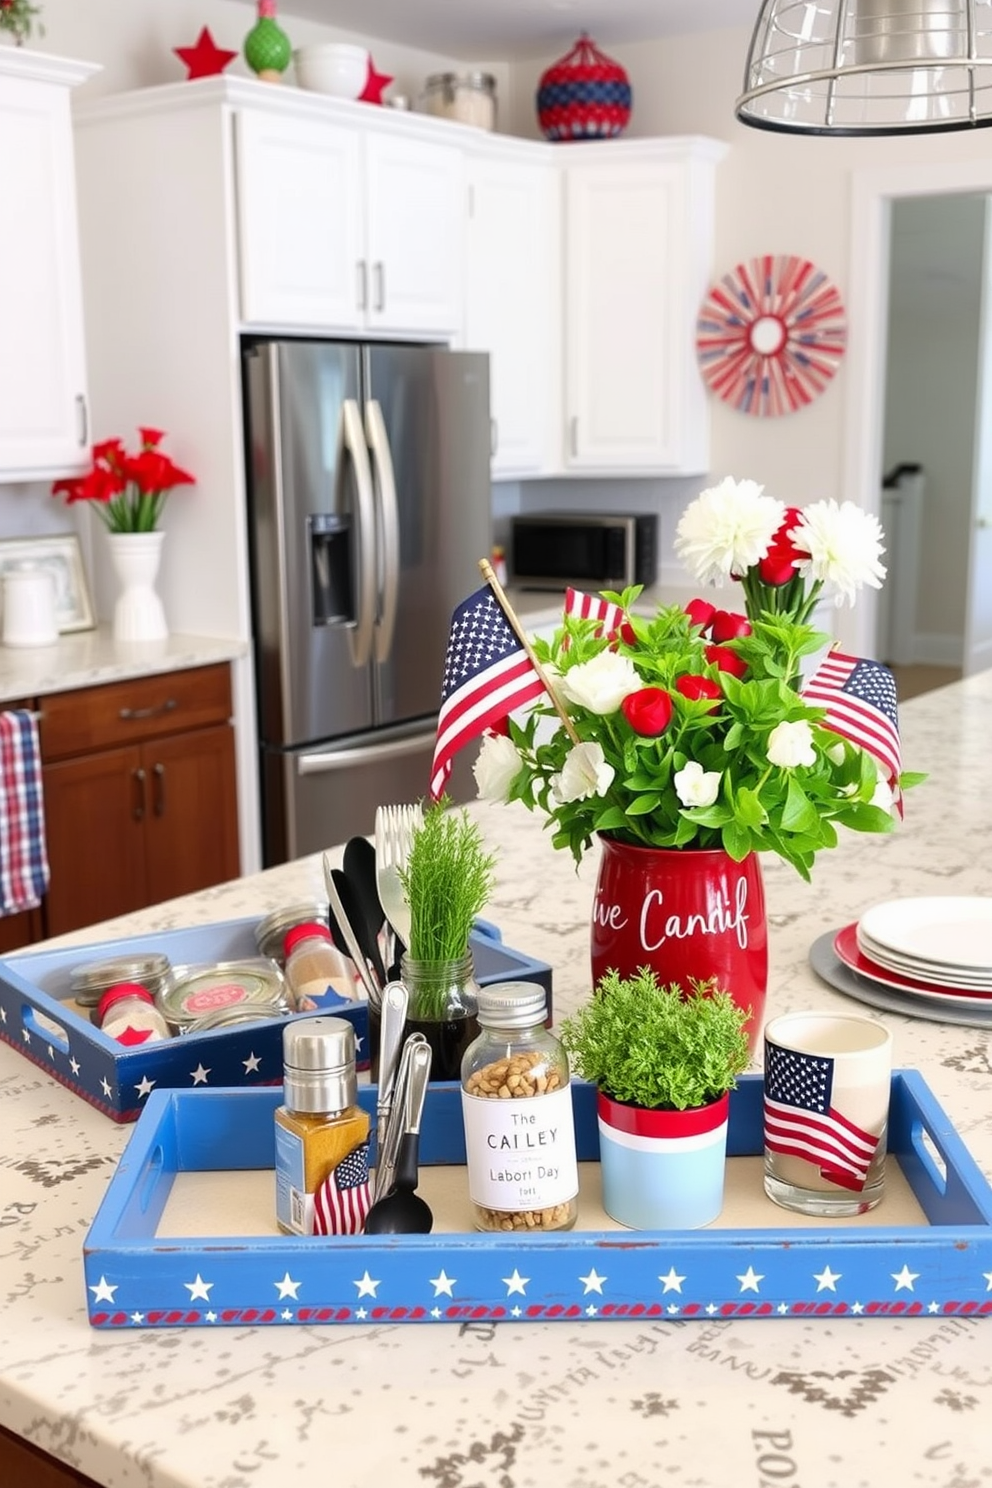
[(332, 67)]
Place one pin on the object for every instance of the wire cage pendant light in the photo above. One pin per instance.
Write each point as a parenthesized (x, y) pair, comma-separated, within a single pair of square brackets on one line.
[(869, 66)]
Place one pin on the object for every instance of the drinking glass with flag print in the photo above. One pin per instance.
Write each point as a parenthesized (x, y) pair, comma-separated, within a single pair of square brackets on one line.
[(826, 1107)]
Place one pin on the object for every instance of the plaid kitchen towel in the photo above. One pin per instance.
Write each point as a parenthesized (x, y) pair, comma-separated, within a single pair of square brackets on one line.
[(23, 858)]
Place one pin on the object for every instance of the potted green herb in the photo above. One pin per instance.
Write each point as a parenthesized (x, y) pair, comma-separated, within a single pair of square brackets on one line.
[(664, 1061), (447, 881)]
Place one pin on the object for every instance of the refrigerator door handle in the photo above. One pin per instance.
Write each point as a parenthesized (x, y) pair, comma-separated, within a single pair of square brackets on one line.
[(324, 760), (389, 517), (361, 635)]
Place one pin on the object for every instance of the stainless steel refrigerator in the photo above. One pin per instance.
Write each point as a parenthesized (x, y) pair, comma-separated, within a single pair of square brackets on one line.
[(368, 510)]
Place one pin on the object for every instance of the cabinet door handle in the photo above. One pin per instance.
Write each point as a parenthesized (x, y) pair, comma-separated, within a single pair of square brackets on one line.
[(158, 789), (82, 419), (138, 776), (574, 435), (493, 437), (379, 272), (362, 269), (129, 715)]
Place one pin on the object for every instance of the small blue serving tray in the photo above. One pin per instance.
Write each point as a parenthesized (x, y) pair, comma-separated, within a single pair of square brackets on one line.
[(135, 1280), (35, 1020)]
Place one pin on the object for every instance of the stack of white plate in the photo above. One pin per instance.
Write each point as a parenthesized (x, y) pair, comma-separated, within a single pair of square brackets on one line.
[(937, 950)]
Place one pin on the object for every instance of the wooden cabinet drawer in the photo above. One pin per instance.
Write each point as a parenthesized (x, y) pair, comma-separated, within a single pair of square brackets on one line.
[(130, 712)]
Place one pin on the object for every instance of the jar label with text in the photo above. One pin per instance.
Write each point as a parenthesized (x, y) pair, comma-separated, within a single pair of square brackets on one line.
[(520, 1153)]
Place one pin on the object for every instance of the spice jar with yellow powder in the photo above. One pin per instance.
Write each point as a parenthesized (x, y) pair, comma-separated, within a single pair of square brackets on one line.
[(322, 1136)]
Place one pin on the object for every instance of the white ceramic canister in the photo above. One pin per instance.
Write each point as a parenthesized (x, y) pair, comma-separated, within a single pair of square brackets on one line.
[(29, 617)]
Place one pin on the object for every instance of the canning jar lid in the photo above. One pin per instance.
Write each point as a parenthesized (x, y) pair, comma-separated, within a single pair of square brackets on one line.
[(90, 980), (483, 82), (229, 1017), (196, 990), (308, 930), (270, 932), (119, 992), (512, 1004)]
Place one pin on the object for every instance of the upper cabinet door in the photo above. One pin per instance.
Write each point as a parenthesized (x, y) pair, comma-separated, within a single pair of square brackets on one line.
[(346, 230), (43, 409), (513, 307), (416, 234), (300, 218), (638, 254)]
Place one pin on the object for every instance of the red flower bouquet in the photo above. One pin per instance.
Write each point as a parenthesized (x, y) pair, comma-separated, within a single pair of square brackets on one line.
[(129, 490)]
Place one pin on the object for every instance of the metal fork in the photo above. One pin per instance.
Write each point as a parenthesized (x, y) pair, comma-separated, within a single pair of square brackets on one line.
[(394, 828)]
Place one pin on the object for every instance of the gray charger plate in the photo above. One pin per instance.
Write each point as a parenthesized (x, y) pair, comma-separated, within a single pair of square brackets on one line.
[(825, 962)]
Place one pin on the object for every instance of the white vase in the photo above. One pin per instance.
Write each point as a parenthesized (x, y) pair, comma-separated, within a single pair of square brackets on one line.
[(138, 612)]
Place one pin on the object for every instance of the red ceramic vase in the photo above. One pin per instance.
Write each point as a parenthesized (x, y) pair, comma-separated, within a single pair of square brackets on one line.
[(684, 912)]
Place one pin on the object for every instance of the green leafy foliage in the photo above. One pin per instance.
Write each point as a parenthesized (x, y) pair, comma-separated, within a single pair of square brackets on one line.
[(759, 806), (655, 1046)]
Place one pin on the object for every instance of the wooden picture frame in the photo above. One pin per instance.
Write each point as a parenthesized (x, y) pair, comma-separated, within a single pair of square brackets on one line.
[(61, 554)]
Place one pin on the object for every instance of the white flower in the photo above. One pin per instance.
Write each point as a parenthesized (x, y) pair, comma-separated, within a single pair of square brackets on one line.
[(585, 773), (836, 753), (695, 786), (883, 797), (727, 529), (844, 545), (496, 768), (602, 683), (791, 744)]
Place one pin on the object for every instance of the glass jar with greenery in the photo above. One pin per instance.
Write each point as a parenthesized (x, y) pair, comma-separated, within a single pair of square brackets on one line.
[(447, 880)]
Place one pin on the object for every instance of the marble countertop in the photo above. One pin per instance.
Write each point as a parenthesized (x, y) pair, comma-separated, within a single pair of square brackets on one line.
[(86, 658), (826, 1403)]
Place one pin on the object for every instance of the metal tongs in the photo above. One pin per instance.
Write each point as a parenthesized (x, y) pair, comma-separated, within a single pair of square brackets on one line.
[(408, 1094)]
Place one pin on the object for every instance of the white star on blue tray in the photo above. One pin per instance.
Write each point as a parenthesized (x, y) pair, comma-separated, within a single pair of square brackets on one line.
[(3, 1015), (105, 1087), (144, 1086), (749, 1281), (288, 1288), (826, 1280), (988, 1280), (904, 1279), (443, 1284), (199, 1075), (515, 1283), (74, 1065), (593, 1282), (286, 1315), (251, 1064), (25, 1035), (672, 1281), (211, 1317), (103, 1291), (137, 1317), (366, 1286), (199, 1290)]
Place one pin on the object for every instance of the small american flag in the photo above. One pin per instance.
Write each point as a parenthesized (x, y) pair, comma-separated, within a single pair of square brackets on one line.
[(487, 674), (801, 1122), (342, 1201), (860, 699), (23, 856), (591, 607)]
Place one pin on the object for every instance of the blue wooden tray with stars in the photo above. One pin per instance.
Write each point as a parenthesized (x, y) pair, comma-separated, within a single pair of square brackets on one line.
[(38, 1019), (140, 1272)]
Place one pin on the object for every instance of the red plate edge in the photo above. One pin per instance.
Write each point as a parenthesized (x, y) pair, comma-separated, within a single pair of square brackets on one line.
[(847, 950)]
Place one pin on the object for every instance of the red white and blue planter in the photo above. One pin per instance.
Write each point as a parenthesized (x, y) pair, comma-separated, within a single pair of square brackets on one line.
[(662, 1170)]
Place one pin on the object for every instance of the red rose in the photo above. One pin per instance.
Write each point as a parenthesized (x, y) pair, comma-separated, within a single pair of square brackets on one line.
[(700, 612), (779, 564), (694, 688), (648, 712), (729, 627), (725, 660)]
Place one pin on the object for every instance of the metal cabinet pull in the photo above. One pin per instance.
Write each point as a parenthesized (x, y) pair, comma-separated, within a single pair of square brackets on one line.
[(82, 419), (363, 284), (129, 715), (158, 789), (138, 776), (379, 270), (574, 436)]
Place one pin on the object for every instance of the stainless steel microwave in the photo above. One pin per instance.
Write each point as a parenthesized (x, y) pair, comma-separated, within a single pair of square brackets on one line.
[(555, 550)]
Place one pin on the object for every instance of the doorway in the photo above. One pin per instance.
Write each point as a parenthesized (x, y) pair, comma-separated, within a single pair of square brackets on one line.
[(963, 577)]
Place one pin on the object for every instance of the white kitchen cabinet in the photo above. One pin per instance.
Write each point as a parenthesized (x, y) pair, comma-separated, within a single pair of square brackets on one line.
[(43, 403), (638, 245), (513, 300), (345, 229)]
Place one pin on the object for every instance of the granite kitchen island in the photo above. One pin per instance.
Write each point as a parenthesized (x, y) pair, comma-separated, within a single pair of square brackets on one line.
[(590, 1404)]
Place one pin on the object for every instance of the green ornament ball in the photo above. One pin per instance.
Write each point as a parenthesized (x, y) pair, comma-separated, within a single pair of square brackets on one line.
[(267, 48)]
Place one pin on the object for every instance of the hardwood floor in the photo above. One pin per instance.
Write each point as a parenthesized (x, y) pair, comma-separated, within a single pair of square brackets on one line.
[(912, 680)]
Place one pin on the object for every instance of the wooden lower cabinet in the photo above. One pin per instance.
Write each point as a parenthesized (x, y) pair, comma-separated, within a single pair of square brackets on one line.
[(131, 825), (25, 1466)]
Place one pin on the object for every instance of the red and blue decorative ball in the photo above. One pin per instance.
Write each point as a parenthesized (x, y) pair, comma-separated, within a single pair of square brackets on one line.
[(584, 95)]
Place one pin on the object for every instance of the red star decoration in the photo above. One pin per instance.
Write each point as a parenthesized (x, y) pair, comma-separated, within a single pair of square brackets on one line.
[(374, 85), (205, 59)]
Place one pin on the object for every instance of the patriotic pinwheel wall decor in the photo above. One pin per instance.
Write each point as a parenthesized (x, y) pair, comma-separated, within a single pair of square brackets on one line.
[(770, 335)]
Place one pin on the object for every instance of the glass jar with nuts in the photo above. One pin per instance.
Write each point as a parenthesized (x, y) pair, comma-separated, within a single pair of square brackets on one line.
[(517, 1109)]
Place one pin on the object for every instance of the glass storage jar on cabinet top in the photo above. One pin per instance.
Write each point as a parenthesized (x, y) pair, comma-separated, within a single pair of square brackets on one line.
[(517, 1109)]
